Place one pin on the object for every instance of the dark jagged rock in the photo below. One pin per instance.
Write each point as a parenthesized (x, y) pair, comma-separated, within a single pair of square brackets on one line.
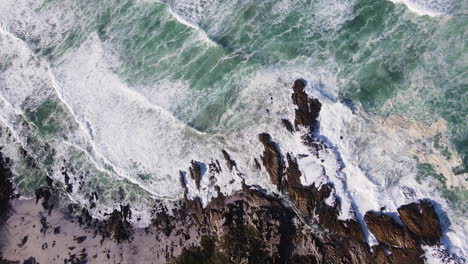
[(389, 232), (205, 253), (164, 222), (6, 261), (422, 220), (30, 260), (328, 219), (196, 173), (397, 255), (214, 167), (287, 124), (23, 241), (307, 109), (230, 163), (183, 183), (404, 255), (85, 218), (44, 225), (80, 239), (257, 164), (69, 185), (272, 160), (6, 187), (126, 212), (44, 193), (306, 198), (116, 227), (310, 199), (338, 249)]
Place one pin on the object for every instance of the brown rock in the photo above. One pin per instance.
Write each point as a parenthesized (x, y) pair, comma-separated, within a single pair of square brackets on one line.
[(405, 255), (328, 219), (389, 232), (306, 198), (338, 249), (272, 159), (379, 255), (422, 220)]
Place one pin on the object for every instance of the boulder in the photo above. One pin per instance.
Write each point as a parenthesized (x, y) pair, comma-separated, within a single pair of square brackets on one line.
[(422, 220), (389, 232), (307, 110)]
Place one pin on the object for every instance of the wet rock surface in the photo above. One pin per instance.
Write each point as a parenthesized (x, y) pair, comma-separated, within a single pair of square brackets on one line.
[(271, 159), (422, 220), (298, 224), (307, 110), (389, 232)]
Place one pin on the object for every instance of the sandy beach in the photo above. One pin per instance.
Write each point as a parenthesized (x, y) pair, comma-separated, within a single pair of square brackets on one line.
[(55, 238)]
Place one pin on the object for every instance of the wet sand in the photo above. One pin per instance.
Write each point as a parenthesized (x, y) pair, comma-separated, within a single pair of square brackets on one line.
[(59, 239)]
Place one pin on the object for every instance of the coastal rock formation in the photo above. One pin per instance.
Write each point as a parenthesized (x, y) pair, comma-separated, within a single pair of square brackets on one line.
[(422, 220), (307, 109), (389, 232), (297, 224), (272, 160), (229, 162)]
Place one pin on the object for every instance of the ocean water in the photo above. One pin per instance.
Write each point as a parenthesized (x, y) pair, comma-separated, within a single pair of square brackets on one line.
[(124, 94)]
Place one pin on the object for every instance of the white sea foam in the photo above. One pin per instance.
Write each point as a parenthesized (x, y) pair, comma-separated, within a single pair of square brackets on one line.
[(134, 135), (428, 7)]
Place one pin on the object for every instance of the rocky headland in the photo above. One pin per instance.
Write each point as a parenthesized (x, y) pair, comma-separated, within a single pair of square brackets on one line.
[(297, 224)]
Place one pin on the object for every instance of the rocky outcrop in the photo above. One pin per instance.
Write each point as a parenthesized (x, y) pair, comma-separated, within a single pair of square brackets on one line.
[(272, 160), (298, 224), (117, 227), (422, 220), (196, 173), (230, 163), (389, 232), (307, 109), (306, 198), (287, 124), (253, 227)]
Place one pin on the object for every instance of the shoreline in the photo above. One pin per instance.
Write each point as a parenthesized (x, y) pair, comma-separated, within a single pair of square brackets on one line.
[(300, 224)]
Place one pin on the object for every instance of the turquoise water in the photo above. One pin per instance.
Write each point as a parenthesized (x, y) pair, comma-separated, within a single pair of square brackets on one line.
[(179, 73)]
